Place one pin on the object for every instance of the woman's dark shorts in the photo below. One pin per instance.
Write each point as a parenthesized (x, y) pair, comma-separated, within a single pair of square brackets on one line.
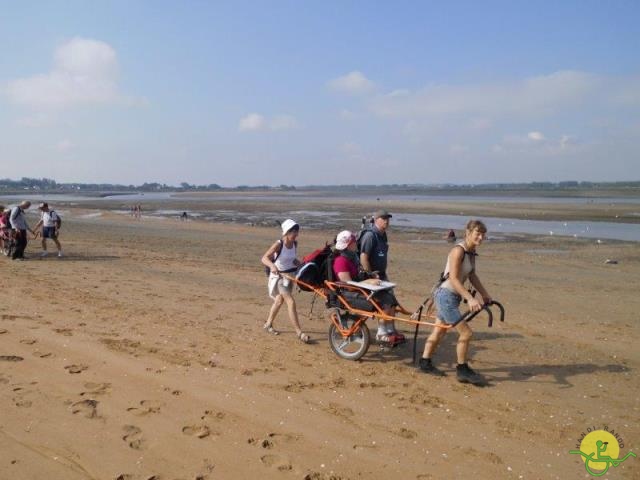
[(49, 232)]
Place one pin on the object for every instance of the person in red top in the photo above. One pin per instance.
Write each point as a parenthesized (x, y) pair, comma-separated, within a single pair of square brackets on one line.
[(346, 269)]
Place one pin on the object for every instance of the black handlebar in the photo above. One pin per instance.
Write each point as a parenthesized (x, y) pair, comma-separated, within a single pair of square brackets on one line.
[(467, 317)]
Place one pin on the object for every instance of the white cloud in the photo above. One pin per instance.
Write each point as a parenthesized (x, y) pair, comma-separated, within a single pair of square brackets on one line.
[(253, 121), (539, 95), (84, 71), (535, 136), (351, 149), (537, 143), (257, 122), (283, 122), (354, 82), (458, 149), (36, 120), (64, 145), (347, 114)]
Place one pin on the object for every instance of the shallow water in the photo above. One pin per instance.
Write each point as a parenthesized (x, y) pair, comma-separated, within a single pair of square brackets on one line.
[(320, 219), (596, 230)]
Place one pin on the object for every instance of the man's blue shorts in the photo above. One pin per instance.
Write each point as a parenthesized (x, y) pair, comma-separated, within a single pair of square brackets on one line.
[(447, 305)]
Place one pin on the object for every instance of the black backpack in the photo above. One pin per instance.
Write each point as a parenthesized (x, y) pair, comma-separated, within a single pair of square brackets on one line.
[(367, 226), (315, 268), (58, 219)]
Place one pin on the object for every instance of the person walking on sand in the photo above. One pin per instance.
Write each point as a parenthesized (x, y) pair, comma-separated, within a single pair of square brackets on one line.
[(374, 248), (447, 297), (281, 257), (20, 227), (50, 222)]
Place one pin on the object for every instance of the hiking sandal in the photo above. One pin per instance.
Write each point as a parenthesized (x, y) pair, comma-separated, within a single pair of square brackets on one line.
[(270, 329), (304, 338)]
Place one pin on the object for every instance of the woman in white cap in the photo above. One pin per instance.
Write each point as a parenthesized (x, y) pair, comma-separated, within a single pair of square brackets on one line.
[(282, 258)]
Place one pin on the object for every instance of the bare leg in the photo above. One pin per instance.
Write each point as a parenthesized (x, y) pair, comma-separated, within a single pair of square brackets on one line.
[(293, 313), (434, 340), (57, 242), (275, 308), (465, 334), (44, 244)]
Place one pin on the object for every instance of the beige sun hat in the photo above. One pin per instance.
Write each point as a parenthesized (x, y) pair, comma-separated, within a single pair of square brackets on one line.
[(287, 225)]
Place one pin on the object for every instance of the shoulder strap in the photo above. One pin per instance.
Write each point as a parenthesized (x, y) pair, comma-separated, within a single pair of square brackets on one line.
[(279, 250), (366, 232), (472, 257)]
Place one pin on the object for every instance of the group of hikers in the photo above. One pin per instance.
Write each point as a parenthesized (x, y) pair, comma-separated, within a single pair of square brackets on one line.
[(14, 228), (363, 258)]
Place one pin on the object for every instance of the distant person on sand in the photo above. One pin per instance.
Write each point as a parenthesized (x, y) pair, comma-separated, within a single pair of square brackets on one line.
[(282, 258), (447, 297), (451, 236), (50, 222), (20, 227), (373, 258), (6, 233), (184, 216)]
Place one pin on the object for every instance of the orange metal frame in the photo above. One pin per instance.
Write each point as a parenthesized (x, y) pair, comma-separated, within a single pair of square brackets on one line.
[(363, 315)]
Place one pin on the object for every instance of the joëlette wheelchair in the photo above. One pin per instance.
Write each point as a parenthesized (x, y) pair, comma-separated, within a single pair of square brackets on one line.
[(349, 336)]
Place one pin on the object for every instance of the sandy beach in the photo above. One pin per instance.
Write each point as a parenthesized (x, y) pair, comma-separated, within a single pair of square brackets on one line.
[(140, 355)]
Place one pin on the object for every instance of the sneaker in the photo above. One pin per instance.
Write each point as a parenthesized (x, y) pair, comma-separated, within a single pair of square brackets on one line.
[(466, 375), (397, 337), (383, 337), (426, 366), (60, 254), (44, 254)]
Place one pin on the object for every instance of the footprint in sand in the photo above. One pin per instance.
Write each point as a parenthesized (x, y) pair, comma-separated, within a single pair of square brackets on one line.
[(362, 447), (277, 462), (96, 389), (67, 332), (40, 354), (146, 407), (127, 476), (76, 368), (200, 431), (10, 358), (211, 414), (28, 341), (133, 437), (19, 399), (408, 434), (87, 408), (2, 331), (322, 476)]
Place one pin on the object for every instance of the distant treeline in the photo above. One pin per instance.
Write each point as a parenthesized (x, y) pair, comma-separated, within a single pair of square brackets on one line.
[(570, 187)]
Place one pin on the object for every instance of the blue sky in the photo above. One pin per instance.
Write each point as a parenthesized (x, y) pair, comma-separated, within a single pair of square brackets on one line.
[(319, 92)]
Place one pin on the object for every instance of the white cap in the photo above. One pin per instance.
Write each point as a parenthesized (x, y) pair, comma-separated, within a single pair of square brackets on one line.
[(344, 239), (287, 225)]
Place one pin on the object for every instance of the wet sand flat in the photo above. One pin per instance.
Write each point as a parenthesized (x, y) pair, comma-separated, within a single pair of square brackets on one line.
[(141, 355)]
